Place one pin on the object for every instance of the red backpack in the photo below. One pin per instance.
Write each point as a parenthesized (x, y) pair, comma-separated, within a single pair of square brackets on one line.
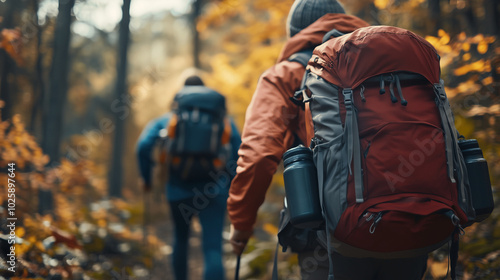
[(392, 180)]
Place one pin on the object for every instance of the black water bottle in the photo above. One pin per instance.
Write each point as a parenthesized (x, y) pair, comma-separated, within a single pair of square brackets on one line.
[(479, 178), (301, 186)]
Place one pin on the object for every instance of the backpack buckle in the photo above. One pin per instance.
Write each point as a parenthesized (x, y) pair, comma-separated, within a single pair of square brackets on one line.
[(439, 89), (300, 97), (296, 99), (347, 92)]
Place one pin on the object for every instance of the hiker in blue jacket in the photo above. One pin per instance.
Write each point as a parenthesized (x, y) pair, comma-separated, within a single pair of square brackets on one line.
[(204, 198)]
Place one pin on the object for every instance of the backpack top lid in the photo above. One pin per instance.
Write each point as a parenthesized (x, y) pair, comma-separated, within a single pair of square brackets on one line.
[(200, 97), (348, 60)]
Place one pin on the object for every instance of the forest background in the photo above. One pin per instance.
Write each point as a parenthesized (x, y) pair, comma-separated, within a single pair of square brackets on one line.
[(79, 79)]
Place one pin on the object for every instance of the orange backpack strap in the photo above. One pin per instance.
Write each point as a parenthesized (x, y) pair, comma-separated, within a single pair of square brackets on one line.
[(172, 126), (309, 124), (226, 134)]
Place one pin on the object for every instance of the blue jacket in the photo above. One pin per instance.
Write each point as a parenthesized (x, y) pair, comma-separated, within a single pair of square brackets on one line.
[(176, 188)]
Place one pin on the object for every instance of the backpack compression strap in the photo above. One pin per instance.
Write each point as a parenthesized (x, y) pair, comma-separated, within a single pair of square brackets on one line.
[(351, 132), (454, 157), (301, 57)]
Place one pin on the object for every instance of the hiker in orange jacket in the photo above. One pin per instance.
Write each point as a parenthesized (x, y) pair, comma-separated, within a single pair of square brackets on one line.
[(273, 122)]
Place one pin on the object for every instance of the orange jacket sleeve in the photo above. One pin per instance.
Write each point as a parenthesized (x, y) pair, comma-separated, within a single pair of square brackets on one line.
[(271, 119)]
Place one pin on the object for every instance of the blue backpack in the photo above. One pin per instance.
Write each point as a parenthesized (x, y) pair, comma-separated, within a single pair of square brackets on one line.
[(196, 140)]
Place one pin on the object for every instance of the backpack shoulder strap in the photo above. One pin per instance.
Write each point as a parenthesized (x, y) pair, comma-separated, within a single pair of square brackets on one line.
[(334, 33), (301, 57)]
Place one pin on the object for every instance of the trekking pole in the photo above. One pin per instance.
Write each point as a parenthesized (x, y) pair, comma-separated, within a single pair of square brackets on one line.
[(237, 270), (145, 220)]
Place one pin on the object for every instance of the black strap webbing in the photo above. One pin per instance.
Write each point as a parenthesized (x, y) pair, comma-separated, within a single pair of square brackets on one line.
[(237, 269)]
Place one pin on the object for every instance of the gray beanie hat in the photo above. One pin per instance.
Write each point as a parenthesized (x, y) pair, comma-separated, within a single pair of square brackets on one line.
[(305, 12)]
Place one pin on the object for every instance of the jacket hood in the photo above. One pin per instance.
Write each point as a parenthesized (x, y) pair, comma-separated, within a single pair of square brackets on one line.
[(312, 36)]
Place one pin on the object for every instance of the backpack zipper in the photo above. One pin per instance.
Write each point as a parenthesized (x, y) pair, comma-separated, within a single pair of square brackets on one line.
[(400, 91), (377, 219), (362, 93), (368, 216), (391, 88)]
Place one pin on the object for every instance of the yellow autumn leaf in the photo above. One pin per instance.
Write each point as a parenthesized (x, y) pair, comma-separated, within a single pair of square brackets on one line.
[(438, 269), (39, 246), (478, 38), (466, 57), (21, 163), (462, 36), (101, 223), (464, 125), (482, 47), (232, 47), (432, 40), (477, 110), (490, 39), (480, 66), (32, 239), (270, 228), (21, 249), (466, 46), (381, 4), (20, 232), (445, 38), (445, 49), (487, 81), (153, 240), (16, 119), (468, 87)]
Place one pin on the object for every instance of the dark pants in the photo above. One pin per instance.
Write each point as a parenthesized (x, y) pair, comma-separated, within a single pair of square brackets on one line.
[(314, 265), (211, 218)]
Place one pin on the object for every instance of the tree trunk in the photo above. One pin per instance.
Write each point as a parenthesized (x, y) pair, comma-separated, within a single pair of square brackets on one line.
[(115, 177), (196, 36), (491, 18), (5, 95), (56, 98), (6, 65), (470, 19), (435, 15), (37, 81)]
